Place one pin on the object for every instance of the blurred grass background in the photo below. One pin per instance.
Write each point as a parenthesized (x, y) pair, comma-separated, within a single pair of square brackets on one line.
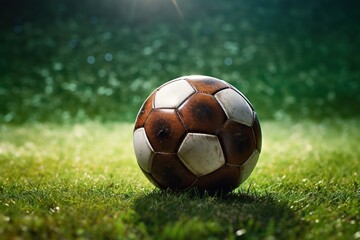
[(71, 61)]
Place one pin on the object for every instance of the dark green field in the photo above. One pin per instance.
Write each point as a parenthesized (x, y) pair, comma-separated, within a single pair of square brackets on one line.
[(73, 75)]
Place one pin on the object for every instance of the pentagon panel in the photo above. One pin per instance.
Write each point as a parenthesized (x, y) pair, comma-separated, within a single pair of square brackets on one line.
[(201, 153), (235, 106), (238, 91)]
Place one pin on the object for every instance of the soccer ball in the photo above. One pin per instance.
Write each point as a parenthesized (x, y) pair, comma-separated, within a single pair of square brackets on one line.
[(197, 132)]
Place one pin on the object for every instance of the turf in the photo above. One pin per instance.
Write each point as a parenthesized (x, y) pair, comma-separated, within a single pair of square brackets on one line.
[(81, 181)]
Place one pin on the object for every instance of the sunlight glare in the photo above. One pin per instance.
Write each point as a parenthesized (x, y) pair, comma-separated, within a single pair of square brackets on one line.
[(135, 3), (178, 9)]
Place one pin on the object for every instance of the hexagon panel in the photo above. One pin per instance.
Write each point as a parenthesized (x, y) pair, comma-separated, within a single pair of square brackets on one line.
[(144, 112), (235, 106), (238, 142), (151, 179), (164, 130), (202, 113), (169, 171), (206, 84), (201, 153), (224, 179), (143, 150), (173, 94)]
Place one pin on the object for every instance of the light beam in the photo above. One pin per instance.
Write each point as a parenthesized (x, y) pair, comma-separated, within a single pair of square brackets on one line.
[(178, 9)]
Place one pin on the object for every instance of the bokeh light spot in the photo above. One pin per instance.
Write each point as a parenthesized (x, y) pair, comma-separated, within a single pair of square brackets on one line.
[(91, 59), (108, 57), (228, 61)]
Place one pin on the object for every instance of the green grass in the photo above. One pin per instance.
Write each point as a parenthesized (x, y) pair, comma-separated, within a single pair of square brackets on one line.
[(82, 182)]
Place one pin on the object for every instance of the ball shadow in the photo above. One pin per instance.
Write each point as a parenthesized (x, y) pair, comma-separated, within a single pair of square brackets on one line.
[(255, 214)]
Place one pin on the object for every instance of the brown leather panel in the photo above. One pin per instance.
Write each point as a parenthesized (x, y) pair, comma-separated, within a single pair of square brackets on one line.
[(202, 113), (144, 111), (164, 130), (151, 179), (206, 84), (225, 179), (170, 172), (238, 142)]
